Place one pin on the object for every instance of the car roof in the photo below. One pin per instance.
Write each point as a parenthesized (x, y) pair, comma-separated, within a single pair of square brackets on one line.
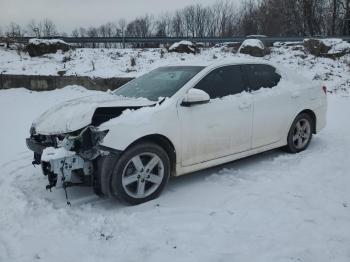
[(223, 62), (238, 61)]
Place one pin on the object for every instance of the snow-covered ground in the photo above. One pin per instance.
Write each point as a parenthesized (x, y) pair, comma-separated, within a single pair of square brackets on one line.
[(117, 62), (270, 207)]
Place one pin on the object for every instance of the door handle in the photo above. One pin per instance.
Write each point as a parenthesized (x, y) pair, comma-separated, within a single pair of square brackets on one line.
[(245, 106)]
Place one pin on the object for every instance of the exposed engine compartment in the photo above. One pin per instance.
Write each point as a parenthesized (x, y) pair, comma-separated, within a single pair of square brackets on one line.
[(103, 114)]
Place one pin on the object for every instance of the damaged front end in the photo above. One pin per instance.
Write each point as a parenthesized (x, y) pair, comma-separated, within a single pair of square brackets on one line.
[(70, 157)]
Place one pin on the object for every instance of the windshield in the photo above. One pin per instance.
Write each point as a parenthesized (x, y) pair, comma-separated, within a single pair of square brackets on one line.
[(161, 82)]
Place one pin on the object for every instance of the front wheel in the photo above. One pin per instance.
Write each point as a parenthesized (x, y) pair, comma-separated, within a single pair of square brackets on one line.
[(140, 174), (300, 134)]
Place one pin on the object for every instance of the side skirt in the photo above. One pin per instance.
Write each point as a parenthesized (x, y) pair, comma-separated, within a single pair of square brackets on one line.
[(181, 170)]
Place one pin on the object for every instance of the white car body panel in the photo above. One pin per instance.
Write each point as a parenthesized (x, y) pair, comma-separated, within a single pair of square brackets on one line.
[(273, 110), (194, 153), (205, 138), (181, 170), (204, 135), (137, 124)]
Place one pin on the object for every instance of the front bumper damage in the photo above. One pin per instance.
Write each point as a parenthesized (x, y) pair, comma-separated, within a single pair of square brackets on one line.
[(70, 167), (68, 158)]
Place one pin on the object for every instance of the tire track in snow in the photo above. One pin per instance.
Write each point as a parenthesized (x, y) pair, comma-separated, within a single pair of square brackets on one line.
[(12, 174), (8, 168), (25, 155), (5, 250)]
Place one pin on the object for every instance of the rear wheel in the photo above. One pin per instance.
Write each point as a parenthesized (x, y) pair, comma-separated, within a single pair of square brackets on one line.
[(300, 134), (140, 173)]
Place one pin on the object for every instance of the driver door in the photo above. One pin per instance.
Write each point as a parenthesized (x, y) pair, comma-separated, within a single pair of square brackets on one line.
[(222, 126)]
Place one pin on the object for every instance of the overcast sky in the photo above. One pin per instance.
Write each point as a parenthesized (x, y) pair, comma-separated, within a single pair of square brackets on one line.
[(69, 14)]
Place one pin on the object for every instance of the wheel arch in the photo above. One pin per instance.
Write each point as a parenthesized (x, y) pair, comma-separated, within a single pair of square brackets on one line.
[(313, 117), (163, 142)]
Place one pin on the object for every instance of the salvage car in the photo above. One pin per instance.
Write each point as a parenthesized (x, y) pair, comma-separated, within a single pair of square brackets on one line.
[(173, 121)]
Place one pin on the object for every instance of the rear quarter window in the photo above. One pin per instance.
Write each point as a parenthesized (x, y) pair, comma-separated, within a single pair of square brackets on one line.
[(261, 76)]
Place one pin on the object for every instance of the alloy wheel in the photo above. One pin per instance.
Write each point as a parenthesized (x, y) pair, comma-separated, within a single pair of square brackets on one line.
[(142, 175), (301, 133)]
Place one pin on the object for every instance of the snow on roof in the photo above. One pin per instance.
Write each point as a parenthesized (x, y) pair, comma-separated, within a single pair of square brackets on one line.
[(240, 60), (224, 61), (37, 41)]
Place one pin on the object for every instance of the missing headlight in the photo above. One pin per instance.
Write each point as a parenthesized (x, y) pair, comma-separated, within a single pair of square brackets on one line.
[(85, 143)]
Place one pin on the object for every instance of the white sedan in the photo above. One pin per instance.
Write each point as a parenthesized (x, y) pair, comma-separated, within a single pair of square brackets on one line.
[(173, 121)]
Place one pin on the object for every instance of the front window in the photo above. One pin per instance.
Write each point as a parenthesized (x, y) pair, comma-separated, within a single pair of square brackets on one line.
[(159, 83)]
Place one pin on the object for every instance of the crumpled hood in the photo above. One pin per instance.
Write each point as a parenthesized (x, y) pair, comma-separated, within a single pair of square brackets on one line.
[(77, 113)]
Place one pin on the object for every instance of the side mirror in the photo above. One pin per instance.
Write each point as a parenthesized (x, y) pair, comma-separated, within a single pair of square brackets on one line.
[(194, 97)]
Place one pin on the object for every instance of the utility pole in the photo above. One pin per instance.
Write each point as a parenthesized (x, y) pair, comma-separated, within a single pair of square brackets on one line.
[(123, 35), (36, 30), (122, 32)]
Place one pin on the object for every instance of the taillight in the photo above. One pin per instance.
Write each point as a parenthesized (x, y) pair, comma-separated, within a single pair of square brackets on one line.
[(324, 89)]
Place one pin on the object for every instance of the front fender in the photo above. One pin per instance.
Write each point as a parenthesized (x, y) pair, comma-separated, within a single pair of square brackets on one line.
[(133, 125)]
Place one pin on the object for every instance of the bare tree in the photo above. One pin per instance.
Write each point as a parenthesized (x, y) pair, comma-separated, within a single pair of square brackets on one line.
[(177, 26), (122, 23), (92, 32), (82, 32), (220, 19), (35, 28), (13, 30), (140, 27), (48, 28), (345, 6), (163, 25), (248, 22), (75, 33)]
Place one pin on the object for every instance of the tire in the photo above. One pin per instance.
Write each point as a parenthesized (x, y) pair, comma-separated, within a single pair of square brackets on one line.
[(140, 173), (300, 134)]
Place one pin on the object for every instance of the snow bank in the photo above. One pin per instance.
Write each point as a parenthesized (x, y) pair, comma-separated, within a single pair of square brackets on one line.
[(184, 42), (253, 43), (253, 47), (116, 62), (337, 45), (38, 41)]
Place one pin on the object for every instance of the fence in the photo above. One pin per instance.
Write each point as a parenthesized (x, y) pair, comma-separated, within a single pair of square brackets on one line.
[(169, 40), (46, 83)]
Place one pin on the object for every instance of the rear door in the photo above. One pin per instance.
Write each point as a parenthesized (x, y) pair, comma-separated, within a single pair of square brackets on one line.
[(273, 104), (221, 127)]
